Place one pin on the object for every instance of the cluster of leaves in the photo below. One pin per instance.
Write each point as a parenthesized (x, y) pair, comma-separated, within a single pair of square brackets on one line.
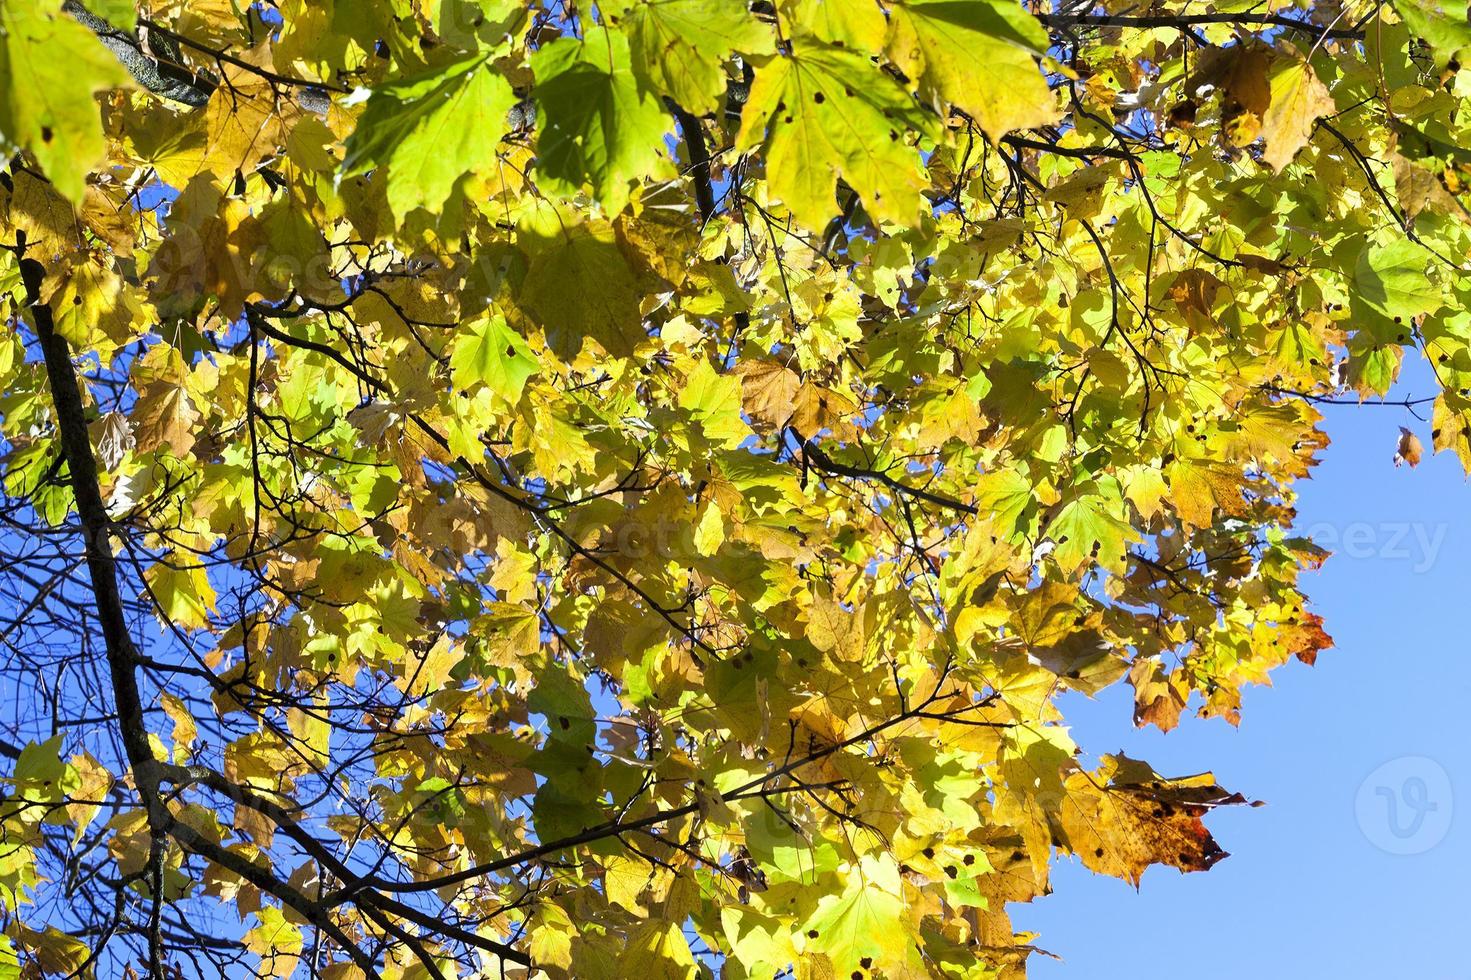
[(624, 487)]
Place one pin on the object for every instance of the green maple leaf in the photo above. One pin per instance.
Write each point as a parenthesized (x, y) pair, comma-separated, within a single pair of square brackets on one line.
[(825, 112), (1443, 26), (430, 131), (1004, 496), (715, 401), (678, 47), (50, 69), (866, 927), (41, 774), (1393, 280), (595, 124), (1091, 526), (1375, 368), (560, 695), (978, 56), (580, 285), (490, 352)]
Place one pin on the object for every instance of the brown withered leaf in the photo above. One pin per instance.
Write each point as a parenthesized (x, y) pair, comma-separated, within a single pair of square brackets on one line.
[(768, 392), (818, 408), (1408, 450), (1158, 696), (113, 436), (1124, 817), (1298, 100), (1419, 189), (1305, 638), (1240, 74), (1194, 294), (164, 416)]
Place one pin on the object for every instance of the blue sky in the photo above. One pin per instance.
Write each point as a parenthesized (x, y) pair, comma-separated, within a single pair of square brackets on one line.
[(1312, 887)]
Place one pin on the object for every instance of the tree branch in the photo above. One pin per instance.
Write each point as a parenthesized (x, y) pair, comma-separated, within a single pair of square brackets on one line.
[(1183, 21), (76, 443), (756, 787), (694, 141), (165, 80)]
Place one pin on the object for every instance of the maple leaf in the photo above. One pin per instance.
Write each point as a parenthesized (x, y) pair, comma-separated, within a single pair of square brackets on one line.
[(431, 130), (1392, 280), (768, 391), (579, 285), (1298, 99), (979, 56), (492, 353), (598, 126), (1443, 26), (184, 595), (864, 927), (678, 46), (715, 402), (1091, 526), (819, 114), (50, 69), (1408, 450), (1125, 817), (164, 416), (1450, 428), (276, 941)]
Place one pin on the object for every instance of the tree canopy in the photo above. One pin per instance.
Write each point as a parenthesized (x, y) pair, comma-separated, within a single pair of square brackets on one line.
[(538, 490)]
